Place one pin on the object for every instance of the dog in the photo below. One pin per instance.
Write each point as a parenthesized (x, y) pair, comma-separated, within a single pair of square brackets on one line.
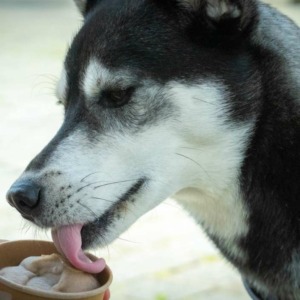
[(194, 99)]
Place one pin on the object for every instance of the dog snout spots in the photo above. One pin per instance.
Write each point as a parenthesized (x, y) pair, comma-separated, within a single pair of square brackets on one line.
[(52, 174), (66, 192)]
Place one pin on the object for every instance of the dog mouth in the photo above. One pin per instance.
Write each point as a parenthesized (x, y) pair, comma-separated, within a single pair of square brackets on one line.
[(67, 240), (70, 240)]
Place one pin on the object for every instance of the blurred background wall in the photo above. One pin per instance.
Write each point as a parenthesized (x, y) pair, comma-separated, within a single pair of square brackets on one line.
[(164, 255)]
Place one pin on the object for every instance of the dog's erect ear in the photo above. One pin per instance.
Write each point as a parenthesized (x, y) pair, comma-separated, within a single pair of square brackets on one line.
[(85, 5), (227, 17)]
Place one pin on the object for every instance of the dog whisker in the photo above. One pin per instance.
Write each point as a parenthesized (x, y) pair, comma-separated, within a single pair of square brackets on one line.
[(190, 148), (87, 176), (49, 82), (25, 227), (189, 158), (198, 99), (87, 185), (49, 76), (128, 241), (37, 231), (199, 149), (106, 184), (98, 198), (116, 182), (87, 208)]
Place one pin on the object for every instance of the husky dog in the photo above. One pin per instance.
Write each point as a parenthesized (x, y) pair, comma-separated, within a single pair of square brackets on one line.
[(194, 99)]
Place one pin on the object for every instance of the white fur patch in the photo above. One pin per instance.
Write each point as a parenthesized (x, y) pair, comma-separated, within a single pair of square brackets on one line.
[(95, 78), (216, 150)]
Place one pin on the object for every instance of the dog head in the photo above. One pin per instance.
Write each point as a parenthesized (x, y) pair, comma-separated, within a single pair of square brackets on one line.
[(153, 105)]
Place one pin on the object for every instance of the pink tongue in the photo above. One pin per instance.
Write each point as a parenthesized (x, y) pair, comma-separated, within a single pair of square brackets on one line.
[(67, 240)]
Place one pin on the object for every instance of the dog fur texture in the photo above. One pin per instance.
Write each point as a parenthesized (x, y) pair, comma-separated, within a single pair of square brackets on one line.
[(194, 99)]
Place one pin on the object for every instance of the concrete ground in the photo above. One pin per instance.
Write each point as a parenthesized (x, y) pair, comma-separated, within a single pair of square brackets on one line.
[(164, 255)]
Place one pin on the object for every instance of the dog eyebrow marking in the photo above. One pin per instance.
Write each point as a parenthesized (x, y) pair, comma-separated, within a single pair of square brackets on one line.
[(215, 8), (61, 88), (95, 78)]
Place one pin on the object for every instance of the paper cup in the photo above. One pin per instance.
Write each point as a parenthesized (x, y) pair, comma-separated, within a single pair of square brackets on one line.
[(12, 253)]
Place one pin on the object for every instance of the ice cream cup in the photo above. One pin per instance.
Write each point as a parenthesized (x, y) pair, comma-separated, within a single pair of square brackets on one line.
[(12, 253)]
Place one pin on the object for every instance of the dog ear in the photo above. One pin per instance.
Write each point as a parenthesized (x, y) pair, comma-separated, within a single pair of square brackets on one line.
[(85, 6), (223, 17)]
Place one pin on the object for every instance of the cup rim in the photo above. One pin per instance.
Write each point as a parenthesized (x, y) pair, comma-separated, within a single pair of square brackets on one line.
[(56, 295)]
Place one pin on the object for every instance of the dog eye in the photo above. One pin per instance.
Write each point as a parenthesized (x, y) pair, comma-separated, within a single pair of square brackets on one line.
[(116, 98)]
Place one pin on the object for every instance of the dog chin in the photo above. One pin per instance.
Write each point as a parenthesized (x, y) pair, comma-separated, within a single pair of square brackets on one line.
[(96, 234), (91, 238)]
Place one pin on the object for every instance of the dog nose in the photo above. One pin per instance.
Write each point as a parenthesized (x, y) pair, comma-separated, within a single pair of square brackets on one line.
[(24, 196)]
